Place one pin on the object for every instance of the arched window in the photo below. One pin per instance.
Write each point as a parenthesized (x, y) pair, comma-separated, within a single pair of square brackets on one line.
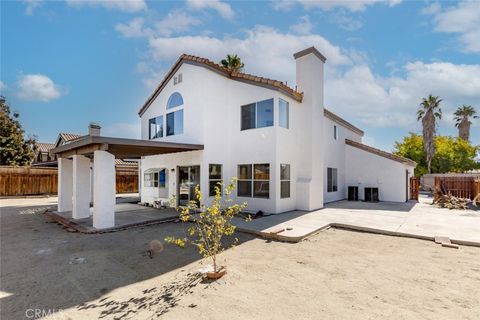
[(175, 100)]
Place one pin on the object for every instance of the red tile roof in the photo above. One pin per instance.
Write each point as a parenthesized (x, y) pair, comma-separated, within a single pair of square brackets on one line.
[(45, 147), (69, 136), (235, 75), (124, 163)]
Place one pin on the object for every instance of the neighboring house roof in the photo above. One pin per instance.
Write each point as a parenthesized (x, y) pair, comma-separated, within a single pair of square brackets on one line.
[(44, 147), (332, 116), (66, 137), (123, 163), (234, 75), (381, 153)]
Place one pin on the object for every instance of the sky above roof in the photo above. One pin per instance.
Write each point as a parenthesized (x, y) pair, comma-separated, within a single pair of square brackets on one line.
[(67, 63)]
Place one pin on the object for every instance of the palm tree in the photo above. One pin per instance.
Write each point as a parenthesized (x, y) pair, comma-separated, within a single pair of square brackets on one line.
[(429, 111), (233, 62), (462, 120)]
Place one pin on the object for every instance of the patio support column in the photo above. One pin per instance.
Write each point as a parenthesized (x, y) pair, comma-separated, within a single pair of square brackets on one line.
[(65, 185), (81, 187), (103, 189)]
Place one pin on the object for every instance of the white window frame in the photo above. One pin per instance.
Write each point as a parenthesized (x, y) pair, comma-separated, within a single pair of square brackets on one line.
[(256, 114), (211, 192), (287, 111), (332, 179), (260, 180), (286, 180), (252, 180), (245, 180), (150, 179), (150, 128)]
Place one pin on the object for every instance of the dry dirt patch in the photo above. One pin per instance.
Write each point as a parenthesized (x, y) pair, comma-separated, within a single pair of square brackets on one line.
[(336, 274)]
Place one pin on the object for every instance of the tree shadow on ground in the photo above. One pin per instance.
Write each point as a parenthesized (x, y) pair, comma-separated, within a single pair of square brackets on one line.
[(159, 300)]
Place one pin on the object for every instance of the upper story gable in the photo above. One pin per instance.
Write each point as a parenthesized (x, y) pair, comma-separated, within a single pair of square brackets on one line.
[(198, 94), (234, 75)]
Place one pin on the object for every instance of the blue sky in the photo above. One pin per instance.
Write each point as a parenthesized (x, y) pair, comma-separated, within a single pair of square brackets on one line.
[(67, 63)]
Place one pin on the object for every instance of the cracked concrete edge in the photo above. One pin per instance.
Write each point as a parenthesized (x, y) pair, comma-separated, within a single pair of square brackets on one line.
[(90, 230), (280, 237)]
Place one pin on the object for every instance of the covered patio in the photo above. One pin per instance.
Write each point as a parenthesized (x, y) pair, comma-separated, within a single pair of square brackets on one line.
[(77, 157)]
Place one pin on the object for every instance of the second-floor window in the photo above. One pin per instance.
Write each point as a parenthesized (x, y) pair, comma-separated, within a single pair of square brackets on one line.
[(257, 115), (335, 132), (283, 113), (155, 127), (175, 100), (175, 123)]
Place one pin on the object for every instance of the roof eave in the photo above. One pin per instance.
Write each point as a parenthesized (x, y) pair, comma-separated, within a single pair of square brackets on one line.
[(381, 153)]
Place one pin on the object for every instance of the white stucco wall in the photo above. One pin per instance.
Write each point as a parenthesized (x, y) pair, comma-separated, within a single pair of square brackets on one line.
[(212, 117), (365, 169), (334, 156)]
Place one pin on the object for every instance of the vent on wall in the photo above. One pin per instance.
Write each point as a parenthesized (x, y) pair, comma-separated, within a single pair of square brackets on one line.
[(177, 79), (371, 194)]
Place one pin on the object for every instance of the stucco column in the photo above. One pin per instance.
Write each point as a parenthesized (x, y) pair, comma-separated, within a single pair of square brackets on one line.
[(103, 190), (65, 185), (81, 187)]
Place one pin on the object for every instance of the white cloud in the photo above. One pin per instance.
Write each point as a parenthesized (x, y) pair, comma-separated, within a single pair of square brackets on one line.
[(283, 5), (434, 8), (134, 29), (462, 19), (264, 50), (346, 21), (222, 8), (176, 21), (351, 5), (3, 86), (304, 26), (121, 5), (38, 87), (392, 102), (31, 5)]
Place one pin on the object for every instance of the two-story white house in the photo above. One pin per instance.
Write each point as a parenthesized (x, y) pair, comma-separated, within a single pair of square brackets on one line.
[(286, 149)]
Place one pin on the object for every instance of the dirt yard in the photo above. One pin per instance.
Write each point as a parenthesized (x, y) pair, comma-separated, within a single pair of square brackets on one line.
[(336, 274)]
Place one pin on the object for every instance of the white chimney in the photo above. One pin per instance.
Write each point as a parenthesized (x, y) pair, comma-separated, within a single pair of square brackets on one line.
[(309, 74), (94, 129)]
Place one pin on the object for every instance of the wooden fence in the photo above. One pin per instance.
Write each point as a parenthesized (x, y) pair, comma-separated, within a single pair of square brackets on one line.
[(24, 181), (461, 187), (127, 182)]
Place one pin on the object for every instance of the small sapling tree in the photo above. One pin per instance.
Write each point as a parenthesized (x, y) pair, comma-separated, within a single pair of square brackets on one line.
[(210, 224)]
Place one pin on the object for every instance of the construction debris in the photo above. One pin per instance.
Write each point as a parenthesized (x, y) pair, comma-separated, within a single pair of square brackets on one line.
[(451, 202), (445, 242)]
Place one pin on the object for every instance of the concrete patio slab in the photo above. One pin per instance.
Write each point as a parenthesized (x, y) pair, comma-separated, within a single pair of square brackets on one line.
[(412, 219), (126, 215)]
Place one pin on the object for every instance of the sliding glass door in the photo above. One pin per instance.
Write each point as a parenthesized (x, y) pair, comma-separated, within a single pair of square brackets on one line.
[(188, 179)]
